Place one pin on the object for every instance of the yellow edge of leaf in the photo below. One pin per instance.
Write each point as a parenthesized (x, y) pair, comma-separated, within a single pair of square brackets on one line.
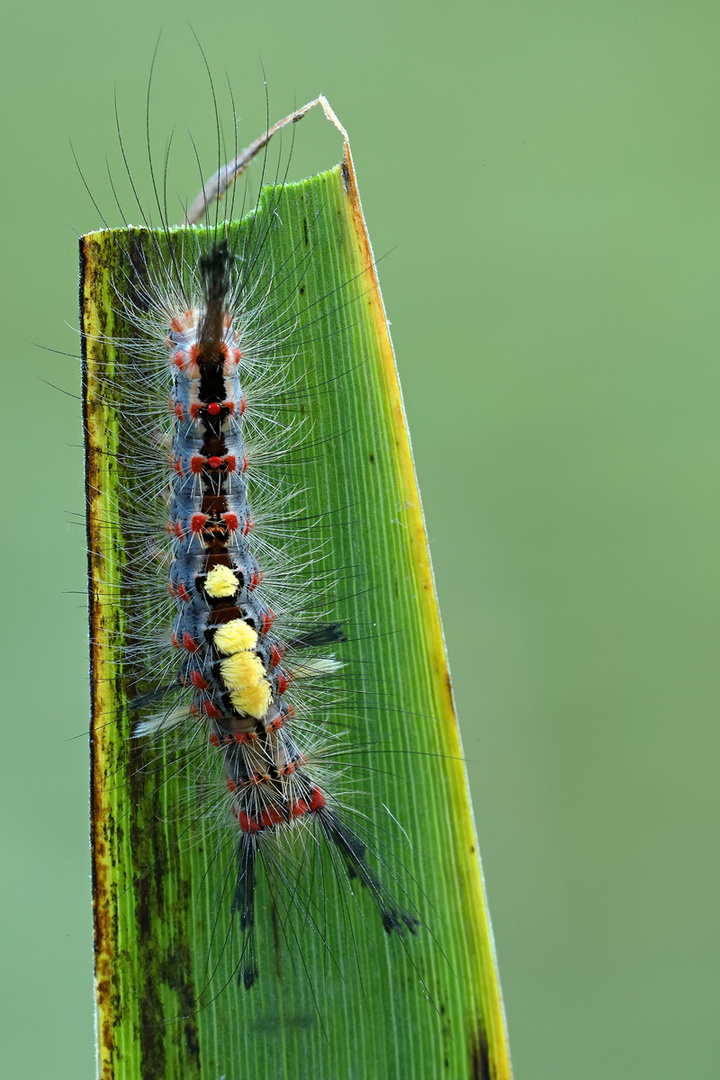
[(477, 911)]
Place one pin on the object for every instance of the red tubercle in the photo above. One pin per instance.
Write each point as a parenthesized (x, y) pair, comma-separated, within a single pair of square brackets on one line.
[(189, 643), (318, 799), (194, 353), (178, 530), (267, 620), (242, 405), (179, 467), (231, 520), (244, 736), (194, 711), (198, 522), (199, 681), (271, 817), (175, 641), (297, 809), (274, 725), (244, 464), (195, 411), (283, 679), (178, 359), (237, 356), (214, 741), (197, 463), (171, 588), (275, 656), (213, 408), (231, 463), (211, 710), (232, 786), (253, 583), (248, 526), (214, 462), (290, 710), (182, 592), (247, 824), (179, 411)]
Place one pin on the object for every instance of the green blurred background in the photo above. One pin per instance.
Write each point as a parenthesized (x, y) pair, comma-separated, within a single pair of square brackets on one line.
[(540, 182)]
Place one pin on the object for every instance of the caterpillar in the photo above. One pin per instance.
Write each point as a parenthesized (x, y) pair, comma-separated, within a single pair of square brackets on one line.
[(227, 671), (236, 662)]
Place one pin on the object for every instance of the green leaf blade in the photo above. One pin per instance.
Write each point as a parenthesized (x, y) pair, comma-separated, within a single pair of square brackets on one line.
[(336, 997)]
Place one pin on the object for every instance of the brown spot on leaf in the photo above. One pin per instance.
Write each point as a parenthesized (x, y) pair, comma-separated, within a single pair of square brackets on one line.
[(479, 1055)]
